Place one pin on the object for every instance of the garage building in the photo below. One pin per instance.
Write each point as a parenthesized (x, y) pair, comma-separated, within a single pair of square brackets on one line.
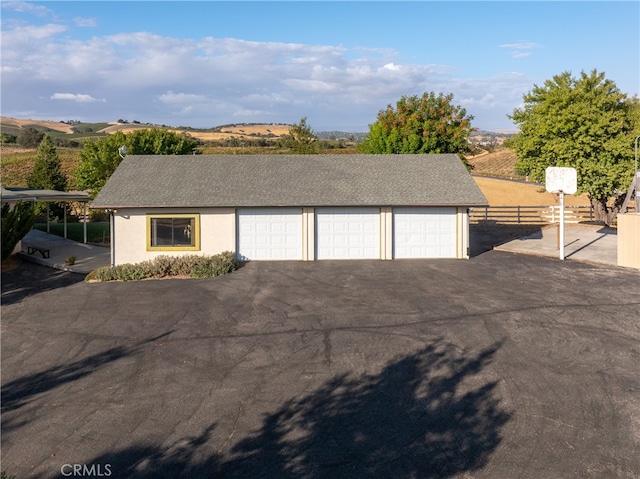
[(290, 207)]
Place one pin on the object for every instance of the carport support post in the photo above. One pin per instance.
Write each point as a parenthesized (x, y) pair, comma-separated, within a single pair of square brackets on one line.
[(65, 221), (85, 223)]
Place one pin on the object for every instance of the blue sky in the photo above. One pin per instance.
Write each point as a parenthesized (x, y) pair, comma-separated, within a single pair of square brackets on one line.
[(208, 63)]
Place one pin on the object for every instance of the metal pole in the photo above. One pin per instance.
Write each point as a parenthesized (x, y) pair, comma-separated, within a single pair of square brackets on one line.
[(562, 225), (113, 243), (635, 173), (85, 222)]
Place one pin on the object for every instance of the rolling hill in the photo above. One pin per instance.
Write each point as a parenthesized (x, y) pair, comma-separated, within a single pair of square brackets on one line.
[(499, 163), (245, 131)]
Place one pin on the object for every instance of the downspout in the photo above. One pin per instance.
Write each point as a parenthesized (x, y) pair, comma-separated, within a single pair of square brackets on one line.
[(112, 236)]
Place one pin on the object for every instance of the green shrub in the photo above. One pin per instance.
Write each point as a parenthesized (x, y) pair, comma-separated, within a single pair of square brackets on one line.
[(92, 276), (184, 265), (217, 265), (167, 266), (122, 272)]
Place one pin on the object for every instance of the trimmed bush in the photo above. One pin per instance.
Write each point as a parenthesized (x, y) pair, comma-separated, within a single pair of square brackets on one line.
[(216, 266), (164, 266)]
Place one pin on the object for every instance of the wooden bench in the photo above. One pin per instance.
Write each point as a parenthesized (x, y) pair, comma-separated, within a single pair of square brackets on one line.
[(31, 249)]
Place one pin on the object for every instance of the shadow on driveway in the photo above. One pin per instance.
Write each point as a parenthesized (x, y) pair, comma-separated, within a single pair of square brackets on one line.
[(21, 391), (485, 235), (423, 415), (28, 279), (415, 418)]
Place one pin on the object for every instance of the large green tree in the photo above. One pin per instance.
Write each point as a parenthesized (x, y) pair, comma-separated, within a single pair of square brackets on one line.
[(301, 138), (420, 124), (47, 174), (100, 158), (47, 170), (158, 141), (583, 122)]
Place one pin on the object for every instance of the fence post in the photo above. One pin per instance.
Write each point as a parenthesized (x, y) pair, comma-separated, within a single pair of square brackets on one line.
[(486, 213), (518, 214)]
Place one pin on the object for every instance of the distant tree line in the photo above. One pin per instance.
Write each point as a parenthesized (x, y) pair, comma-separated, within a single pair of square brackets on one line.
[(32, 137)]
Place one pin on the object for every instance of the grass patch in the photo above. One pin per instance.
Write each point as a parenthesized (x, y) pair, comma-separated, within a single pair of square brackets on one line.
[(97, 232)]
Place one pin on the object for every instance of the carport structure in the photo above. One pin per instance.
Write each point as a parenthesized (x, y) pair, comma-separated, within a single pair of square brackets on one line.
[(34, 195)]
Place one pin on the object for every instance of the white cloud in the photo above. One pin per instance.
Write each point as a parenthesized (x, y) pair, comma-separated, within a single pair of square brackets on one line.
[(209, 81), (77, 97), (491, 99), (32, 33), (518, 47), (248, 113), (85, 22), (171, 98), (521, 45), (487, 100), (26, 7)]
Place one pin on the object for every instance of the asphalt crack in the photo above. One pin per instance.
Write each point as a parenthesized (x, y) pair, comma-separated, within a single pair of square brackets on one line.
[(327, 347)]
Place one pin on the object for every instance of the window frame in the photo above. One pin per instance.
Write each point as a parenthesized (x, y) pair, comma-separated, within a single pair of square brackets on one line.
[(195, 233)]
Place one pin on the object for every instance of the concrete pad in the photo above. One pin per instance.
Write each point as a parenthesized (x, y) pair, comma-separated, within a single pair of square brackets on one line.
[(588, 243), (88, 256)]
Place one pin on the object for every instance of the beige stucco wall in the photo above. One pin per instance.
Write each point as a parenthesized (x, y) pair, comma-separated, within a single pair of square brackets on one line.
[(629, 240), (217, 232)]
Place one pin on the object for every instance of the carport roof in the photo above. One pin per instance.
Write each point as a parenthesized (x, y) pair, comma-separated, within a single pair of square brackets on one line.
[(290, 180), (36, 194)]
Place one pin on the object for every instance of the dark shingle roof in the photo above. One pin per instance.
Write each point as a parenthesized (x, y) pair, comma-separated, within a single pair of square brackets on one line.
[(289, 180)]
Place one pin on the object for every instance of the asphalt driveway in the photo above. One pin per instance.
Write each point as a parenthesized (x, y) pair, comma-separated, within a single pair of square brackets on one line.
[(503, 366)]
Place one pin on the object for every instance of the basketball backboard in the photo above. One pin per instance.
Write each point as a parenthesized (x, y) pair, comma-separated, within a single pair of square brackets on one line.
[(561, 179)]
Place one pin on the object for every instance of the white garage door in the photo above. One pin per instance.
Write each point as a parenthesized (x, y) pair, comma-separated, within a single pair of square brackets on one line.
[(347, 233), (424, 232), (270, 233)]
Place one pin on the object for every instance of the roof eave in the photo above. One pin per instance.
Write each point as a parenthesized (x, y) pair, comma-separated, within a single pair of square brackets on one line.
[(350, 205)]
